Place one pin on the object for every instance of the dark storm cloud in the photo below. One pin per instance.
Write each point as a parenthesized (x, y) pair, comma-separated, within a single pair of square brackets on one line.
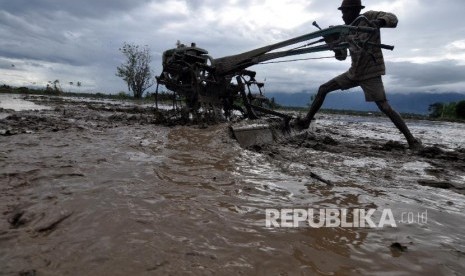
[(80, 39), (25, 56), (422, 76), (6, 64), (78, 8), (63, 28)]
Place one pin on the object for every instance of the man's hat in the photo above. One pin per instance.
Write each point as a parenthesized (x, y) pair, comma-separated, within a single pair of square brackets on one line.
[(351, 4)]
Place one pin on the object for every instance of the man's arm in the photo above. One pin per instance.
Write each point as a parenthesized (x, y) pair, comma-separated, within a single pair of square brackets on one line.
[(382, 19)]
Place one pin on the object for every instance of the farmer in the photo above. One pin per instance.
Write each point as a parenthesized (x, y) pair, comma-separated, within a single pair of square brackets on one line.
[(366, 69)]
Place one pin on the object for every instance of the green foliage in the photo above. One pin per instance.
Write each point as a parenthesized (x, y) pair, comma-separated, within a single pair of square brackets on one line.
[(136, 70), (23, 90), (435, 110), (447, 110), (460, 109), (123, 96)]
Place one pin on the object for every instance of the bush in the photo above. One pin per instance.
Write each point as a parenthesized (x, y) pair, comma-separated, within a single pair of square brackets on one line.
[(122, 96), (436, 110), (23, 90), (460, 109)]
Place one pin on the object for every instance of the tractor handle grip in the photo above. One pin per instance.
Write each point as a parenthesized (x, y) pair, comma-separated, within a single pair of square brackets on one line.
[(382, 46), (387, 47), (365, 29)]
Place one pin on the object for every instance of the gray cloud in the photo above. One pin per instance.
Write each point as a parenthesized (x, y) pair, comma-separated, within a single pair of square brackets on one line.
[(6, 64), (79, 40), (424, 77), (83, 9)]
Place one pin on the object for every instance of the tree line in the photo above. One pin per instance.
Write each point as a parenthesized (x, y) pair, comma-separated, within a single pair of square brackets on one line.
[(55, 86), (454, 110)]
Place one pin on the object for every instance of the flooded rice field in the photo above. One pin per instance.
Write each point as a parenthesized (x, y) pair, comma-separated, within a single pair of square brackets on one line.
[(99, 188)]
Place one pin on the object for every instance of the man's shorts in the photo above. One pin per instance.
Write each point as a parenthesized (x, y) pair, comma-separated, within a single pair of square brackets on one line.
[(373, 88)]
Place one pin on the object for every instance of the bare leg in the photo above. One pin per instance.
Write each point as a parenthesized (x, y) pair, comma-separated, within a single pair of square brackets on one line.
[(395, 117), (324, 90)]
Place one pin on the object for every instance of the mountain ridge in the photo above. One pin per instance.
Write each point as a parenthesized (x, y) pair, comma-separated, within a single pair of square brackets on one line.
[(415, 103)]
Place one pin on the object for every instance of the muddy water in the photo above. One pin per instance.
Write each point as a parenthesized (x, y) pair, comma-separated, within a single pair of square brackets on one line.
[(17, 103), (152, 200)]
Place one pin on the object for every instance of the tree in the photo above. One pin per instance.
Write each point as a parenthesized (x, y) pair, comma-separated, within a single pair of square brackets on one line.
[(460, 109), (436, 110), (56, 88), (136, 70), (445, 110)]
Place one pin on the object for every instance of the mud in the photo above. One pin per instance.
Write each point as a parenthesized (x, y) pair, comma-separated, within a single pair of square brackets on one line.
[(110, 188)]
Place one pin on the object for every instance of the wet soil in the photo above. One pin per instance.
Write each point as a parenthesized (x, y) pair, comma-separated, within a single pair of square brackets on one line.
[(92, 188)]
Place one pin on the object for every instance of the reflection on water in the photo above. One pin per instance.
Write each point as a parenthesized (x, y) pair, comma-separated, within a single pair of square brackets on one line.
[(18, 103)]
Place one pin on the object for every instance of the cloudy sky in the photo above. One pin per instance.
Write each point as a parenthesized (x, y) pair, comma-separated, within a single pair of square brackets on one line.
[(78, 40)]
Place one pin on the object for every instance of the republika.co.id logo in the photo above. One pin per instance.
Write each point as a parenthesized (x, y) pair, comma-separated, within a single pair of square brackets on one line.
[(346, 218)]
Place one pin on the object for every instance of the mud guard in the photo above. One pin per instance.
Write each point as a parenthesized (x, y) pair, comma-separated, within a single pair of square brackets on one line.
[(259, 133)]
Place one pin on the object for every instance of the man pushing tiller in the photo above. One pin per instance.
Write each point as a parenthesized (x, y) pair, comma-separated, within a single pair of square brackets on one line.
[(366, 69)]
